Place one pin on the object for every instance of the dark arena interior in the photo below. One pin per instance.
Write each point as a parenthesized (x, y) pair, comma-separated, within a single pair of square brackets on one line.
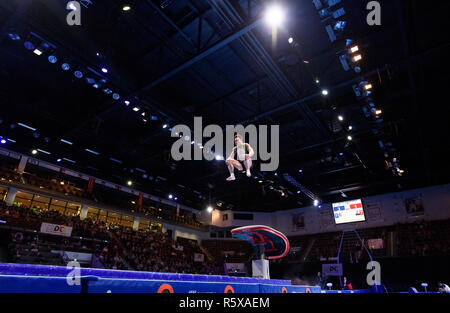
[(224, 146)]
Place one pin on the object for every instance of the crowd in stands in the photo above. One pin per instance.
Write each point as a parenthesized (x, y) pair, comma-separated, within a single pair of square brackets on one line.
[(420, 238), (112, 246), (423, 238), (157, 252), (100, 195)]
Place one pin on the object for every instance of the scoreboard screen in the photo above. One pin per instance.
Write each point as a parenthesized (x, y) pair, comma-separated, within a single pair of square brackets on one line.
[(348, 212)]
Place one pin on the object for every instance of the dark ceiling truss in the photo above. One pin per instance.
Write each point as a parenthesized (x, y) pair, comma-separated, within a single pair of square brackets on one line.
[(251, 44)]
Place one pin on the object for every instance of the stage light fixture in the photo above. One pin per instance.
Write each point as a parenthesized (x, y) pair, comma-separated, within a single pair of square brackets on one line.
[(136, 109), (350, 138), (34, 151), (90, 80), (116, 96), (316, 202), (354, 49), (325, 92), (65, 66), (67, 142), (340, 26), (291, 40), (341, 118), (126, 8), (368, 86), (37, 51), (104, 70), (13, 36), (170, 196), (72, 6), (129, 183), (350, 127), (3, 141), (127, 103), (274, 16), (357, 58), (209, 209), (52, 59), (107, 91), (28, 45), (78, 74), (165, 126), (58, 160)]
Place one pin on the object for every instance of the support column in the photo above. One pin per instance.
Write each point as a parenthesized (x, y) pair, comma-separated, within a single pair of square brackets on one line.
[(136, 223), (84, 211), (22, 163), (11, 196)]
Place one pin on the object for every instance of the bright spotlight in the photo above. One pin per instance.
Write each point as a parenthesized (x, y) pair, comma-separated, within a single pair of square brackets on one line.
[(354, 49), (72, 7), (325, 92), (378, 112), (126, 8), (350, 127), (341, 118), (170, 196), (316, 202), (127, 103), (291, 40), (350, 138), (3, 141), (357, 58), (136, 109), (34, 151), (274, 16), (164, 126), (219, 158), (37, 52), (129, 183), (104, 70), (209, 209)]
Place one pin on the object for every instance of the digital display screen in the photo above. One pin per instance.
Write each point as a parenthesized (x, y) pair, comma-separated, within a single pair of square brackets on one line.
[(348, 212)]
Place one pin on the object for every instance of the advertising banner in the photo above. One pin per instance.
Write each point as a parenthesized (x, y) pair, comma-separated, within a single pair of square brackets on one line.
[(59, 230)]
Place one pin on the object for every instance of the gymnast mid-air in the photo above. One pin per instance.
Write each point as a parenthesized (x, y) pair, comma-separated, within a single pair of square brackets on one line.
[(243, 153)]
